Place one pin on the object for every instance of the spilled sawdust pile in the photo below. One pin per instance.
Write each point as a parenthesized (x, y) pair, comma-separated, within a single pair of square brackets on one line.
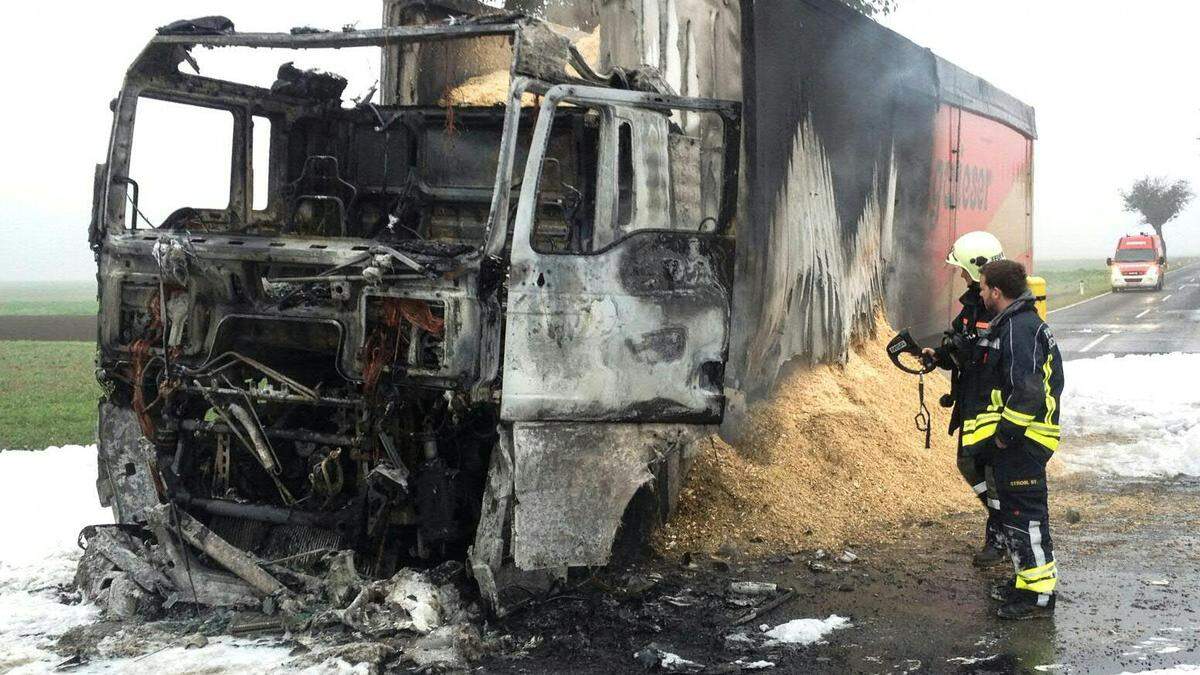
[(833, 457), (491, 88)]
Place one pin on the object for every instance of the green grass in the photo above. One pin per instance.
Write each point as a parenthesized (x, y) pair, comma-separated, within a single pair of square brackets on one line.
[(1063, 277), (48, 394), (48, 298)]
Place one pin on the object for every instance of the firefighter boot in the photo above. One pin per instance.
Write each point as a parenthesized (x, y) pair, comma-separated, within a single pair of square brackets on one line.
[(1023, 604), (989, 555), (1001, 590), (994, 552)]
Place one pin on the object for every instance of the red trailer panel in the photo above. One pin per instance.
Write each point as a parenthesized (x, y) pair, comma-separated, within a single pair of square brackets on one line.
[(982, 179)]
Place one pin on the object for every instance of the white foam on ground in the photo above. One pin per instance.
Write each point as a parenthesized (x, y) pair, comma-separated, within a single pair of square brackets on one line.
[(46, 497), (1174, 670), (807, 631), (1135, 416), (218, 657)]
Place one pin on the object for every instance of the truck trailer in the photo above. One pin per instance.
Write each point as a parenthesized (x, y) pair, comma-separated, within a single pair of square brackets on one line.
[(491, 323)]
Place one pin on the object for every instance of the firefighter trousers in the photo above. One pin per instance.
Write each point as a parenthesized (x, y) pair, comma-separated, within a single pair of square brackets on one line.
[(1020, 474), (979, 475)]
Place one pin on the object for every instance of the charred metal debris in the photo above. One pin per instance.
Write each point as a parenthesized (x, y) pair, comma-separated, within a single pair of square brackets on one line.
[(411, 355)]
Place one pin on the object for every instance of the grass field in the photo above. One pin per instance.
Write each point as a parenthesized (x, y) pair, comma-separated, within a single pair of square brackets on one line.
[(48, 298), (47, 394), (1063, 277)]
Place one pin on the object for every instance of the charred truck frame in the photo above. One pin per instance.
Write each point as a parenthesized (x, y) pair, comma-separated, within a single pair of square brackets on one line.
[(446, 327), (474, 331)]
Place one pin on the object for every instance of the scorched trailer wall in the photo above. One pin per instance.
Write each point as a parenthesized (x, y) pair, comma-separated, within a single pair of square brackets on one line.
[(864, 157)]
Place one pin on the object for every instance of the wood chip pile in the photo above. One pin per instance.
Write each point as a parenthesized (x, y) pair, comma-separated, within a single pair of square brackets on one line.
[(832, 458), (492, 88)]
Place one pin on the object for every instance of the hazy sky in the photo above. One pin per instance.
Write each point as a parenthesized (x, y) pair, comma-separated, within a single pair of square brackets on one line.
[(1113, 85), (58, 130)]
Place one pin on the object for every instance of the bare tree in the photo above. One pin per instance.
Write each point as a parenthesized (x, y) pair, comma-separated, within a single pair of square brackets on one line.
[(1158, 200)]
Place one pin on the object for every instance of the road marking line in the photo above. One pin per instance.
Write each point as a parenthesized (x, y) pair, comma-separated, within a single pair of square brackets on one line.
[(1167, 297), (1094, 297), (1093, 343), (1144, 313)]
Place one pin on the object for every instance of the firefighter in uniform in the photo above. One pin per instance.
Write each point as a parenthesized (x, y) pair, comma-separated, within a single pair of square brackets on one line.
[(1013, 420), (970, 252)]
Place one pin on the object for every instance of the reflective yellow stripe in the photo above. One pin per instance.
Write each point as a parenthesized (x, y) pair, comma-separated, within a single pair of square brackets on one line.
[(1018, 414), (1040, 571), (1051, 404), (982, 433), (1018, 418), (1039, 579), (1046, 429), (979, 420), (997, 400), (1049, 442)]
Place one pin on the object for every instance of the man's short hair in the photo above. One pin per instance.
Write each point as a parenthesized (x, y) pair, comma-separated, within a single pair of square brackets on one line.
[(1007, 275)]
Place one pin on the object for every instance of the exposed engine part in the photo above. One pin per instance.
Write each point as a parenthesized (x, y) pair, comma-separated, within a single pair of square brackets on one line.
[(435, 496), (326, 477)]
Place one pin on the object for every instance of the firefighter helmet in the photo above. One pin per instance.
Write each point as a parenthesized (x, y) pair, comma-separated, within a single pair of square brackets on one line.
[(973, 250)]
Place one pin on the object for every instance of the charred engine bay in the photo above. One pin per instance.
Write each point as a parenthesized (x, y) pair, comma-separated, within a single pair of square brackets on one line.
[(264, 438), (299, 394)]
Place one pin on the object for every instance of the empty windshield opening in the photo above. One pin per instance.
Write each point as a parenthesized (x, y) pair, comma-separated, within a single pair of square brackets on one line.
[(181, 160)]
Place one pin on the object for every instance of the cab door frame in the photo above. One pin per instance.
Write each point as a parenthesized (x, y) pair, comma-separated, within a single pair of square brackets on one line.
[(636, 330)]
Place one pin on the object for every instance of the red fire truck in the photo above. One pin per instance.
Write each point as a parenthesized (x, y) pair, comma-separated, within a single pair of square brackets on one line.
[(1140, 262)]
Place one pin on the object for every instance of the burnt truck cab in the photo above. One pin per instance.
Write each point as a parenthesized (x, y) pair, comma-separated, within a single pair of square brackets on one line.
[(415, 331)]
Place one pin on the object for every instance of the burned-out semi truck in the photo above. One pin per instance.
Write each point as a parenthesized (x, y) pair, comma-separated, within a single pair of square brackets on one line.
[(485, 309)]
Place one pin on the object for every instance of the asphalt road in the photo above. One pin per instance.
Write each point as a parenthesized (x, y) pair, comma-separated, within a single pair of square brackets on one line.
[(1130, 587), (1134, 322)]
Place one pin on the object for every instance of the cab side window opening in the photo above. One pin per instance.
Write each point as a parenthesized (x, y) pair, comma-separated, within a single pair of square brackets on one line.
[(565, 214), (181, 158), (260, 162), (624, 174), (649, 175)]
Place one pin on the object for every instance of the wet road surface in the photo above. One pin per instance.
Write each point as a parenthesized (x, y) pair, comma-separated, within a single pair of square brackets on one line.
[(1134, 322), (1128, 554), (1129, 601)]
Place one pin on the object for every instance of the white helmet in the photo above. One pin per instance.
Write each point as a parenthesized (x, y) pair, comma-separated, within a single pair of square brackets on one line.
[(973, 250)]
